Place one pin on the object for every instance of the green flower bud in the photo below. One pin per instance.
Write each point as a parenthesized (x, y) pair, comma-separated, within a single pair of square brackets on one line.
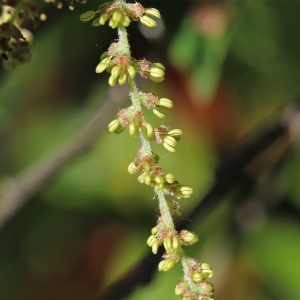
[(131, 71), (155, 247), (112, 23), (205, 266), (170, 178), (169, 148), (132, 168), (104, 55), (207, 273), (156, 72), (188, 237), (122, 79), (179, 289), (150, 131), (112, 81), (117, 16), (158, 113), (151, 240), (154, 230), (87, 16), (175, 132), (115, 71), (133, 129), (113, 125), (164, 102), (159, 186), (170, 141), (168, 245), (166, 265), (101, 67), (120, 129), (147, 180), (126, 21), (141, 178), (158, 179), (103, 19), (197, 277), (148, 22), (186, 190), (96, 22), (175, 243), (159, 65), (152, 12), (156, 79)]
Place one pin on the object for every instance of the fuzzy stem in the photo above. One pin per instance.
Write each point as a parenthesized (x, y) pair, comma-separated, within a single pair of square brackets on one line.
[(165, 210), (136, 102), (186, 264)]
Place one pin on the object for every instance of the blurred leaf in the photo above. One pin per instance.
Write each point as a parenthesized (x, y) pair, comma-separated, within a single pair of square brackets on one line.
[(276, 248)]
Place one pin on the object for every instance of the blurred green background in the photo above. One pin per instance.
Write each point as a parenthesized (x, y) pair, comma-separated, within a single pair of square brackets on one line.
[(233, 68)]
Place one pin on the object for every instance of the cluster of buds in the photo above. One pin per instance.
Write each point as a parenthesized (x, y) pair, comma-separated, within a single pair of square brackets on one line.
[(204, 291), (193, 286), (14, 40), (153, 175), (172, 242), (119, 13), (121, 66)]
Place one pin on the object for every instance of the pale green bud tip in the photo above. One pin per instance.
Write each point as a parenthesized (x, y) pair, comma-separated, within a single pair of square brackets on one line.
[(151, 240), (154, 230), (170, 178), (159, 65), (159, 113), (207, 273), (186, 190), (156, 72), (170, 141), (147, 180), (133, 129), (175, 132), (148, 22), (131, 71), (122, 79), (104, 55), (166, 265), (205, 266), (132, 168), (103, 18), (101, 67), (87, 16), (156, 79), (197, 277), (115, 71), (164, 102), (155, 247), (188, 237), (159, 179), (169, 148), (96, 22), (113, 125), (112, 81), (179, 289), (150, 131), (152, 12)]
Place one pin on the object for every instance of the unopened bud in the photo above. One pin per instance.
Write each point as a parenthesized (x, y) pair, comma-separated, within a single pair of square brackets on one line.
[(152, 12), (148, 22)]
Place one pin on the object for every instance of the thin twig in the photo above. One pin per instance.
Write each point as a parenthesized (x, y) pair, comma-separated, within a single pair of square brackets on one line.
[(15, 193)]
